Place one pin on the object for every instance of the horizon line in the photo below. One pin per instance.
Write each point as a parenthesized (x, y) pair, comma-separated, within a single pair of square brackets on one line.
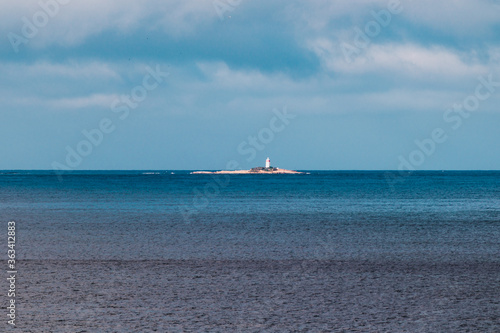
[(374, 170)]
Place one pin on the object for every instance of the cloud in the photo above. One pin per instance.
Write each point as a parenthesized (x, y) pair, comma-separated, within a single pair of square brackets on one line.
[(74, 84), (287, 48), (227, 75), (458, 17), (75, 70), (95, 100), (226, 89), (73, 23), (221, 75), (407, 60)]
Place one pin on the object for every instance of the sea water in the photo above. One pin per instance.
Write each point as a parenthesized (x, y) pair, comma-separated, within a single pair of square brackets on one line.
[(171, 251)]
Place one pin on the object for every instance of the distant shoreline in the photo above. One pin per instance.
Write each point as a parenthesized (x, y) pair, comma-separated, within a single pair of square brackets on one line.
[(251, 172)]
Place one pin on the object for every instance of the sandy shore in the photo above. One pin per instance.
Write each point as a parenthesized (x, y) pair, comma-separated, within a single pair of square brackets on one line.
[(240, 172)]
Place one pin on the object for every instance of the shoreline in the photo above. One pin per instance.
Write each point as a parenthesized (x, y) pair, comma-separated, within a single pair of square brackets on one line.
[(242, 172)]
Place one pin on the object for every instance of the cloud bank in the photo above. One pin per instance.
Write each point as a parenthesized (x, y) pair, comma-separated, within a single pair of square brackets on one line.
[(231, 62)]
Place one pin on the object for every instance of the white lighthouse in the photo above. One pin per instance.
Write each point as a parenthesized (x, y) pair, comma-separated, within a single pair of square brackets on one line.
[(268, 163)]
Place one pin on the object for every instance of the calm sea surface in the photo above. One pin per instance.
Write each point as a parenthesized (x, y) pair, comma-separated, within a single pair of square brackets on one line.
[(167, 251)]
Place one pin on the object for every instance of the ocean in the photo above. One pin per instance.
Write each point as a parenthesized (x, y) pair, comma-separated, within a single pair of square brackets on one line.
[(323, 251)]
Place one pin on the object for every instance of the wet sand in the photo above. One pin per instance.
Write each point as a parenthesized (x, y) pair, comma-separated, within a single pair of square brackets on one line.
[(258, 296)]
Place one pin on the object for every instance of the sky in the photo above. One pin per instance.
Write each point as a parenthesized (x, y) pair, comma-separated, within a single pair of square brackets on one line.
[(216, 84)]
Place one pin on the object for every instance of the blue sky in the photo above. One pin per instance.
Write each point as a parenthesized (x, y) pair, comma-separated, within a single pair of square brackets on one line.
[(364, 84)]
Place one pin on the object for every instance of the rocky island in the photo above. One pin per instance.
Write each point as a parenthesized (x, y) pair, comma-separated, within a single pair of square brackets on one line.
[(268, 169)]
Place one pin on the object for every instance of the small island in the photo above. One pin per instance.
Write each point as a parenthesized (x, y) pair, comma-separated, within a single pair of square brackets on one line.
[(268, 169)]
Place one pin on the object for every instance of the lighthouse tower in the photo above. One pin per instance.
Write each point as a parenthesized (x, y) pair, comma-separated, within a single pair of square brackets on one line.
[(268, 163)]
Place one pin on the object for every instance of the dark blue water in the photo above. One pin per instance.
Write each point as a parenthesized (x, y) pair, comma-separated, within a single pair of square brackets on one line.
[(135, 215), (439, 227)]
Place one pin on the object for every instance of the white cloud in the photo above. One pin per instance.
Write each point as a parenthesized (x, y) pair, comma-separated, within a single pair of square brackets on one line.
[(65, 103), (223, 76), (74, 22), (94, 100), (407, 60), (458, 17), (248, 91), (72, 70), (49, 84), (181, 18)]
